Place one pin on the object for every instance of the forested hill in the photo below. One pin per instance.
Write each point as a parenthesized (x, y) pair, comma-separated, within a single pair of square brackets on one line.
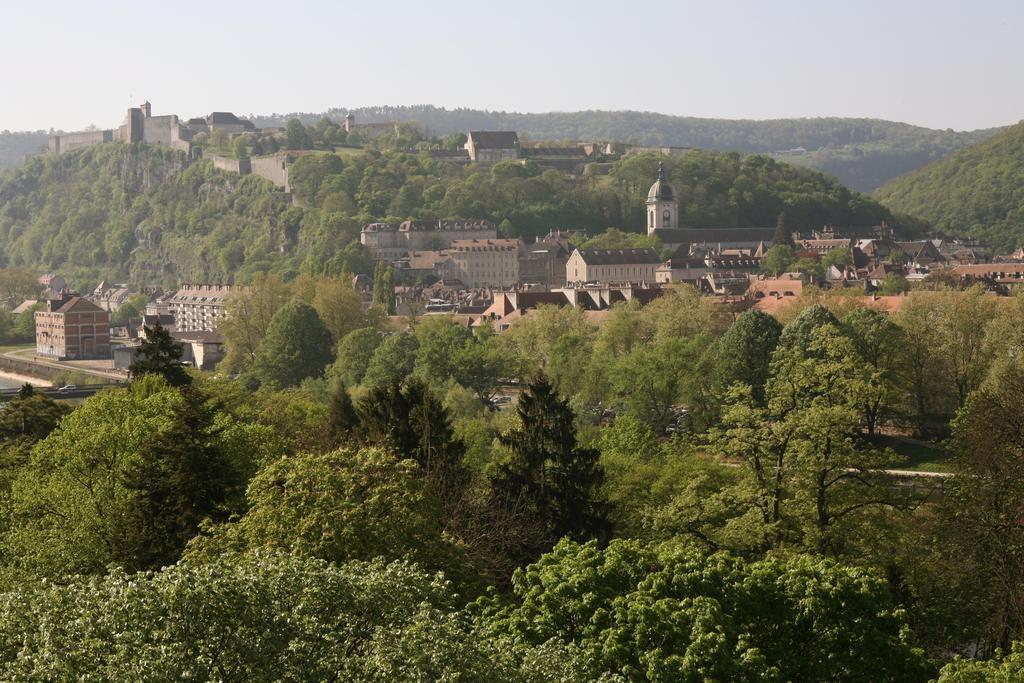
[(139, 213), (862, 153), (978, 191)]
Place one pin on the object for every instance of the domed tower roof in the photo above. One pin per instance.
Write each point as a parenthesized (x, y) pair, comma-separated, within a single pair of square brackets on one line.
[(661, 190)]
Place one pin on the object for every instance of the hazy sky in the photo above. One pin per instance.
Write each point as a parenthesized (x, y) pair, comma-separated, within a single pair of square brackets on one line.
[(936, 63)]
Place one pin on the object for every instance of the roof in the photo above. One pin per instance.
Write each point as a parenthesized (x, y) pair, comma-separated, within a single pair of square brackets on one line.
[(714, 235), (1014, 270), (226, 118), (425, 260), (661, 190), (199, 336), (204, 295), (164, 319), (484, 245), (494, 139), (434, 226), (79, 304), (604, 257), (825, 244), (776, 287), (222, 117), (25, 305)]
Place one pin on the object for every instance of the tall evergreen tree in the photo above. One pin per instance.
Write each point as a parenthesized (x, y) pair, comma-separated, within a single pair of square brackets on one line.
[(410, 420), (159, 355), (342, 419), (550, 473), (783, 230), (384, 287), (183, 478)]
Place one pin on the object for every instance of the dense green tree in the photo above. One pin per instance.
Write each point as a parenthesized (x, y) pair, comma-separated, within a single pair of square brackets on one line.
[(16, 285), (550, 472), (342, 419), (261, 617), (745, 351), (384, 287), (982, 504), (650, 612), (297, 135), (408, 419), (783, 231), (297, 345), (440, 342), (798, 333), (339, 306), (840, 257), (814, 396), (1008, 669), (348, 504), (809, 481), (809, 266), (180, 479), (482, 363), (355, 351), (778, 259), (879, 344), (893, 284), (158, 354), (248, 313), (392, 361), (30, 415), (649, 382), (81, 498)]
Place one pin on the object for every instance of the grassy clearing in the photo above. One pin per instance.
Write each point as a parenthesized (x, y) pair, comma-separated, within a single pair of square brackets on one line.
[(916, 455), (6, 348)]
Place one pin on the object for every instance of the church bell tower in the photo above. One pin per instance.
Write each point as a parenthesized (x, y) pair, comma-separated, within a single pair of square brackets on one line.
[(662, 207)]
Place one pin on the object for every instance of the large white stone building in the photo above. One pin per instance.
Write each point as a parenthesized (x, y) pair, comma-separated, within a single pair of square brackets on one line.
[(198, 308), (484, 263), (387, 241), (612, 265)]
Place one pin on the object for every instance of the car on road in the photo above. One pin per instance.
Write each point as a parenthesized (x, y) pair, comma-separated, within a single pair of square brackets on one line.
[(67, 389)]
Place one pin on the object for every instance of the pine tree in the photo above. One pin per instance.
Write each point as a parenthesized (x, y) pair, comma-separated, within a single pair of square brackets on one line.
[(414, 423), (159, 355), (183, 478), (384, 287), (549, 472), (411, 421), (342, 420), (783, 231)]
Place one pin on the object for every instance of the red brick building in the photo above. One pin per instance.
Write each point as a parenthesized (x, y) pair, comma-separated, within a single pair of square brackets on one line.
[(72, 327)]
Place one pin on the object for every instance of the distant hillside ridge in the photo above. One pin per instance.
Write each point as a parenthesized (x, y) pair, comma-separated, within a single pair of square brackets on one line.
[(977, 191), (862, 153), (149, 216)]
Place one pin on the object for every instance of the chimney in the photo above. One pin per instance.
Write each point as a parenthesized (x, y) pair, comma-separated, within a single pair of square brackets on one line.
[(147, 109)]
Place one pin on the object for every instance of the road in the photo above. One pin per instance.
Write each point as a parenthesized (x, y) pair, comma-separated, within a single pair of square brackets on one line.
[(28, 356), (80, 391)]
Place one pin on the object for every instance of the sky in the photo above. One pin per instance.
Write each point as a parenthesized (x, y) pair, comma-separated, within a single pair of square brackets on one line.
[(936, 63)]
